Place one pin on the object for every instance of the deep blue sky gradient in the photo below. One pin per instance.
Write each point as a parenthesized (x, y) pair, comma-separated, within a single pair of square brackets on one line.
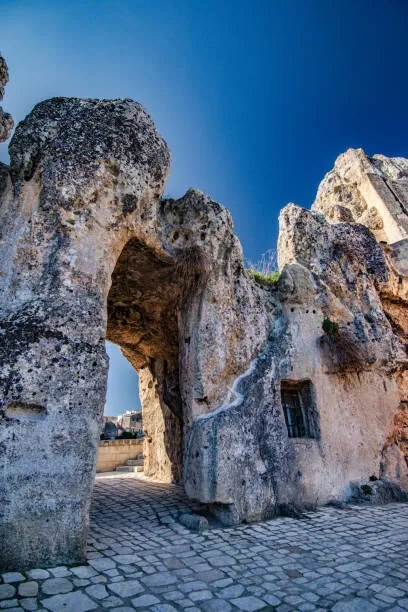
[(255, 98)]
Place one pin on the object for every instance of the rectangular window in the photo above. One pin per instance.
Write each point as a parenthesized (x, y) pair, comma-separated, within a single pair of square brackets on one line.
[(299, 409)]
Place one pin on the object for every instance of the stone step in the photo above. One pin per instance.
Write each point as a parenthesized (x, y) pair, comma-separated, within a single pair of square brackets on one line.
[(138, 461), (128, 468)]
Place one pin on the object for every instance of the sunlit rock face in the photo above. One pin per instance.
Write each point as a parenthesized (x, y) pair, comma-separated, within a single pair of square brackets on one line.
[(6, 121), (368, 190), (373, 191), (260, 398), (89, 251), (64, 219)]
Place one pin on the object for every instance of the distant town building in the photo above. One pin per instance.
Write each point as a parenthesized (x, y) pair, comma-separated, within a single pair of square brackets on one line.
[(130, 422)]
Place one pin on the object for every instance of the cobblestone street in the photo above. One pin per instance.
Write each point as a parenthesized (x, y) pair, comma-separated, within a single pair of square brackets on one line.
[(141, 557)]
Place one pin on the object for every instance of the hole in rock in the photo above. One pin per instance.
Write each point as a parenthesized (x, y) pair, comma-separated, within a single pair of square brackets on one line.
[(24, 411)]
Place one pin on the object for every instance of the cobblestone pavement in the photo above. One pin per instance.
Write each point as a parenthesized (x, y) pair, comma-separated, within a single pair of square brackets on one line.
[(140, 557)]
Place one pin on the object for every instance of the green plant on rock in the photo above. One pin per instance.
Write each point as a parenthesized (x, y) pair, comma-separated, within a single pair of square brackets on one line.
[(331, 328), (347, 352), (264, 270), (264, 279), (366, 489)]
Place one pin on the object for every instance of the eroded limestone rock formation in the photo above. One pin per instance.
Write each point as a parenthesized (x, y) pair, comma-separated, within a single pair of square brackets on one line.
[(368, 190), (6, 121), (258, 397)]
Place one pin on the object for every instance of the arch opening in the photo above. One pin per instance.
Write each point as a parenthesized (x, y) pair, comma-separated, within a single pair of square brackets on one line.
[(143, 319)]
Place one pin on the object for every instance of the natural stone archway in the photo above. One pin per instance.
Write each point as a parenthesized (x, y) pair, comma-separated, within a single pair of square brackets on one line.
[(89, 251), (81, 199)]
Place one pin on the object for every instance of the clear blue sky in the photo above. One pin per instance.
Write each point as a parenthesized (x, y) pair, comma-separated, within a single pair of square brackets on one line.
[(255, 98)]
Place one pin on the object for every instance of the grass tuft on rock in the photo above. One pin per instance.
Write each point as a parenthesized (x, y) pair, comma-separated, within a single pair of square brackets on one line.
[(269, 279)]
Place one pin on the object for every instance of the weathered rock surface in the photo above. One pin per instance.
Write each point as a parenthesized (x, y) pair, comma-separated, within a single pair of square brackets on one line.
[(374, 191), (245, 397), (368, 190), (6, 121), (64, 222), (88, 251)]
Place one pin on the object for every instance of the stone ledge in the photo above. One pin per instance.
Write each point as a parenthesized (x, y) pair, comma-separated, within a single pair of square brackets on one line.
[(122, 442)]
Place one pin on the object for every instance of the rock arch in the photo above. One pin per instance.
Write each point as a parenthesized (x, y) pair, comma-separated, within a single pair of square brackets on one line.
[(89, 250)]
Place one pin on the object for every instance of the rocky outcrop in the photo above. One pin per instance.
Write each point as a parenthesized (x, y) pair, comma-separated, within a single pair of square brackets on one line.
[(368, 190), (260, 397), (89, 251), (64, 221), (6, 121), (373, 191), (240, 456)]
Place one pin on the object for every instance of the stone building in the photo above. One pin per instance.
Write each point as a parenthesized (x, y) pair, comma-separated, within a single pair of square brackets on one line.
[(131, 421), (258, 396)]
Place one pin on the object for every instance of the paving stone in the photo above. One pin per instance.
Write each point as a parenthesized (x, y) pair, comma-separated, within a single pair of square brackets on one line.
[(111, 602), (83, 571), (72, 602), (8, 603), (54, 586), (80, 582), (126, 559), (200, 595), (160, 579), (357, 604), (272, 600), (222, 561), (38, 574), (97, 591), (98, 579), (6, 591), (29, 603), (112, 572), (28, 589), (127, 588), (293, 600), (248, 604), (60, 572), (12, 577), (174, 563), (209, 575), (230, 592), (144, 601), (216, 605), (103, 563)]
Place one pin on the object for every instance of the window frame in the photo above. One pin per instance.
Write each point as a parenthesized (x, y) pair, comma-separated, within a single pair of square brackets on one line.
[(300, 415)]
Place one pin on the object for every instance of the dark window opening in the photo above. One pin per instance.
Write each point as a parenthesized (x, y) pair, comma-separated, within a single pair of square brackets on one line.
[(299, 409)]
